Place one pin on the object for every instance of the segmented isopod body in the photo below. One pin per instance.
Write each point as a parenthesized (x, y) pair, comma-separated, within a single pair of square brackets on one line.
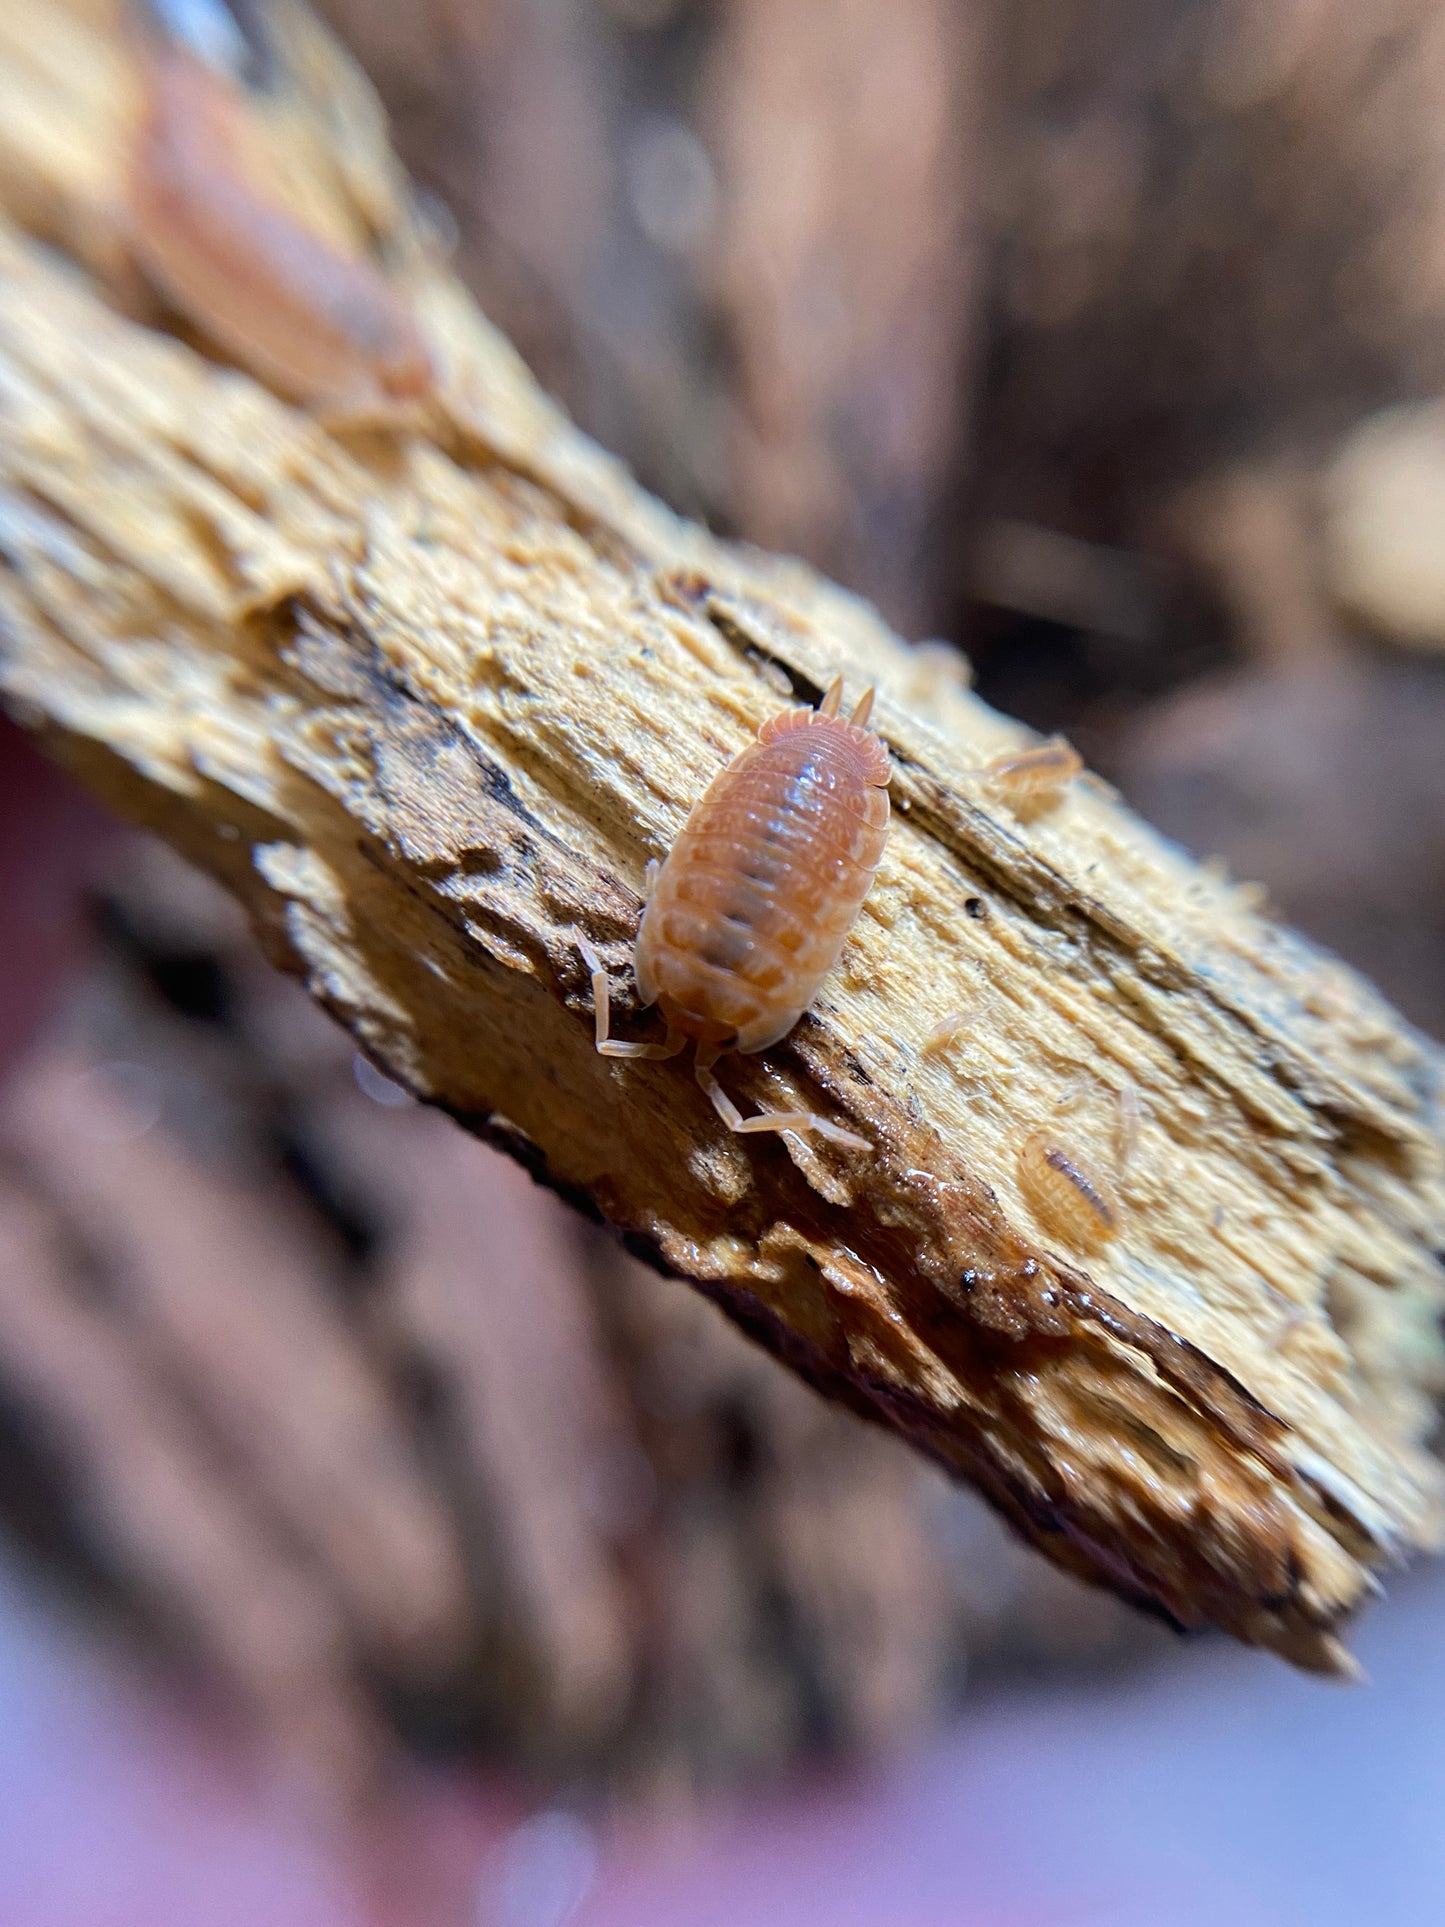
[(1034, 776), (318, 325), (751, 908), (1068, 1195)]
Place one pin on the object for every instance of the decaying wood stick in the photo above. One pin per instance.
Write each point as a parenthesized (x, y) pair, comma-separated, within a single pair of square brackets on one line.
[(428, 695)]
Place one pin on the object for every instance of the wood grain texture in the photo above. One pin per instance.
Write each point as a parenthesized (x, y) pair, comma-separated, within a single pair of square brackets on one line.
[(428, 696)]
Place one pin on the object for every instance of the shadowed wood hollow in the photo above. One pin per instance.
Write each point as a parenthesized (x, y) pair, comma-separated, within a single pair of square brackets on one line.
[(430, 697)]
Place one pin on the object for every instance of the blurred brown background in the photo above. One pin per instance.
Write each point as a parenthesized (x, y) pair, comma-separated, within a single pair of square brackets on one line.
[(1062, 330)]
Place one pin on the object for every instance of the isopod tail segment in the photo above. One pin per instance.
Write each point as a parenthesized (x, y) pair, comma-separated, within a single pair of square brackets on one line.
[(707, 1055), (833, 701)]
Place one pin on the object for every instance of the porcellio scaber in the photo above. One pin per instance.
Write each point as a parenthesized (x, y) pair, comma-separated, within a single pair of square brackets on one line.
[(318, 325), (751, 909)]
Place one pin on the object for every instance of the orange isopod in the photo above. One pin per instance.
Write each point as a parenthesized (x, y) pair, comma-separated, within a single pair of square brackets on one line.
[(317, 325), (1068, 1195), (750, 910)]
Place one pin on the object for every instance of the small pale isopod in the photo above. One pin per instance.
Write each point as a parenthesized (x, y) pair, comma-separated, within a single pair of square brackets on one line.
[(318, 325), (1035, 778), (1067, 1194), (951, 1027), (945, 1031), (751, 909)]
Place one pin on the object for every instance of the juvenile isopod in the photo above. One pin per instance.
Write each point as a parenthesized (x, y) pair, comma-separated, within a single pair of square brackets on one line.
[(945, 1031), (952, 1026), (752, 906), (1067, 1194), (1035, 778), (318, 325)]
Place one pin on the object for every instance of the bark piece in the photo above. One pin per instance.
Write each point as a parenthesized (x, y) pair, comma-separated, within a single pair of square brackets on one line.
[(428, 700)]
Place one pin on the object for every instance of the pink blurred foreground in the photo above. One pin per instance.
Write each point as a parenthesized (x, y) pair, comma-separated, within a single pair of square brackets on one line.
[(1221, 1789)]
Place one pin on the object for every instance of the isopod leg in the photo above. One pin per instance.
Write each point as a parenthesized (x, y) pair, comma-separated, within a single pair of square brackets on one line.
[(771, 1120), (607, 1044), (649, 878)]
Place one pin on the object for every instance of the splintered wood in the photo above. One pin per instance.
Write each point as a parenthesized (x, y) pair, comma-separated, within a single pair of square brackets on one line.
[(429, 698)]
